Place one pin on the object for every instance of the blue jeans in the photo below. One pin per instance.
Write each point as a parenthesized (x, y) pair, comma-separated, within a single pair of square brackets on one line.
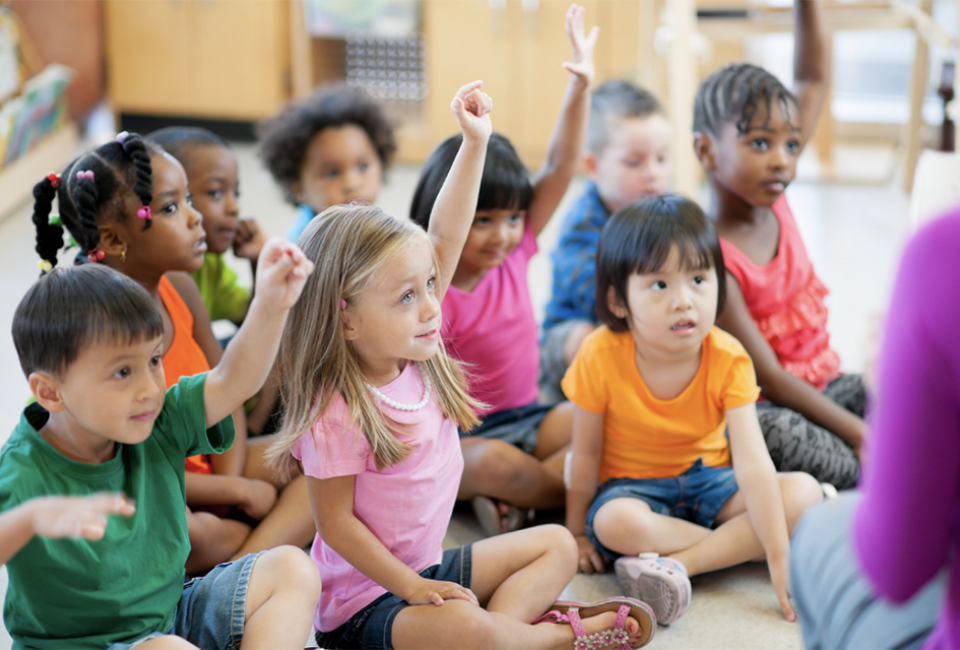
[(212, 609), (696, 495), (372, 626)]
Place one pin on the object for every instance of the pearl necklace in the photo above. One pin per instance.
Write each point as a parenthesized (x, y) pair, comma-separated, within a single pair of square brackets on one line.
[(400, 406)]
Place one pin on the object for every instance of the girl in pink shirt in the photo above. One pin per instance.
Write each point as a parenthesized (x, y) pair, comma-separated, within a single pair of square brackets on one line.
[(749, 132), (372, 417), (514, 460)]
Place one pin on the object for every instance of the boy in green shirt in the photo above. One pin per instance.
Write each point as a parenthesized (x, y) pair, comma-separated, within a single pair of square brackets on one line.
[(90, 341)]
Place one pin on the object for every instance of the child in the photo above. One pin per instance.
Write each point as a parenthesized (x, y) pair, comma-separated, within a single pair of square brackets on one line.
[(58, 517), (330, 148), (127, 205), (749, 132), (90, 341), (213, 179), (516, 454), (658, 389), (627, 158), (380, 401), (880, 569)]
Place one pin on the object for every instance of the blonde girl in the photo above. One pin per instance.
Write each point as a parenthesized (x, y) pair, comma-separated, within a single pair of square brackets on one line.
[(372, 416)]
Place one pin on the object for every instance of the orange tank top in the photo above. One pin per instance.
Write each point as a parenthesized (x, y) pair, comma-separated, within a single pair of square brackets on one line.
[(184, 358)]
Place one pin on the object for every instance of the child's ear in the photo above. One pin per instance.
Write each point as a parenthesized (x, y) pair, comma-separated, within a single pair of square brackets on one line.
[(348, 331), (111, 241), (46, 390), (704, 150), (616, 307), (590, 164)]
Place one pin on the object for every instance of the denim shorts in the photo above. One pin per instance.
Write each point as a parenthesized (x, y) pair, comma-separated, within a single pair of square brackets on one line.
[(372, 626), (519, 427), (696, 495), (212, 608)]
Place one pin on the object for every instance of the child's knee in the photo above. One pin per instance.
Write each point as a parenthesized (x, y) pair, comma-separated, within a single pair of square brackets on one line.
[(800, 492), (560, 540), (499, 464), (289, 568)]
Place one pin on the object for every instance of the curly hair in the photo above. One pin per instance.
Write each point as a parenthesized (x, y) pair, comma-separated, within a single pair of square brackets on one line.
[(735, 93), (284, 138), (91, 191)]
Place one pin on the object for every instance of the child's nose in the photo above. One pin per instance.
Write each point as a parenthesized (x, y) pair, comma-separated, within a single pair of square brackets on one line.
[(431, 308), (232, 205), (195, 217)]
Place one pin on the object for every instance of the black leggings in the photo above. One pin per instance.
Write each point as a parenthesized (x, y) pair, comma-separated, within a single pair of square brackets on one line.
[(798, 445)]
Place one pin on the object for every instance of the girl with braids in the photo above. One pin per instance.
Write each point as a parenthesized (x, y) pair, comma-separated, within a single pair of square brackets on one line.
[(372, 405), (127, 206), (749, 132)]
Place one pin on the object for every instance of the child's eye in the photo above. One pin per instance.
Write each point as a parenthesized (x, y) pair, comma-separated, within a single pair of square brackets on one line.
[(169, 208), (363, 166), (658, 285), (515, 218), (431, 283), (760, 144), (216, 195), (156, 361), (481, 221), (190, 199), (793, 146), (330, 174), (407, 298), (698, 279), (123, 373)]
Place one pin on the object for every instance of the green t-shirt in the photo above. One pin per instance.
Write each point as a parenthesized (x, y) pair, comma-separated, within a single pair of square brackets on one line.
[(74, 593), (224, 298)]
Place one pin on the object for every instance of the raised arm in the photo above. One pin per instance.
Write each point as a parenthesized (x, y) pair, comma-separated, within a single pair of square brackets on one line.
[(811, 63), (757, 480), (570, 131), (282, 271), (778, 385), (587, 448), (456, 203)]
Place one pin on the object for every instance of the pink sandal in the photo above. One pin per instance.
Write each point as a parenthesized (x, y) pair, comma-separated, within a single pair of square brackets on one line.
[(568, 611)]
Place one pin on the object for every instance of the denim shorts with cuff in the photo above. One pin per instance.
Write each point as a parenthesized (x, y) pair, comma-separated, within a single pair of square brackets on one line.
[(696, 496), (519, 426), (212, 608), (372, 626)]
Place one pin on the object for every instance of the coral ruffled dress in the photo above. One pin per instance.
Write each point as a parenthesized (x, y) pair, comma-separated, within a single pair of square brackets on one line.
[(786, 299)]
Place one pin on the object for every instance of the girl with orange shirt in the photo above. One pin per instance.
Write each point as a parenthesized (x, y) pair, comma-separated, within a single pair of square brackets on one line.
[(669, 471)]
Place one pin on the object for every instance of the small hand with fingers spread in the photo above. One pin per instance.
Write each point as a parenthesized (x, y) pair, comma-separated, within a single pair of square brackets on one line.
[(590, 560), (438, 591), (780, 576), (582, 64), (282, 270), (58, 517), (472, 107)]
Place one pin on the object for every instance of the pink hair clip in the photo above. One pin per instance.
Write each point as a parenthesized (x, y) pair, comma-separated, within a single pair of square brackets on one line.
[(87, 174), (343, 304), (144, 212), (122, 136), (54, 180), (95, 255)]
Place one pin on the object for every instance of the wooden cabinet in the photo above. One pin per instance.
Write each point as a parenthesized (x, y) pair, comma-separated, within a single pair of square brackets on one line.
[(516, 47), (219, 59)]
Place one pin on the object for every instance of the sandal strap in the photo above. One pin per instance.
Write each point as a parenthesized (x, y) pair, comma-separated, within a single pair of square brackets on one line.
[(553, 616)]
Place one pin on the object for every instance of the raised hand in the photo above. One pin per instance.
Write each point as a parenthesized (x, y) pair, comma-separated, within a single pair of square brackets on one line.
[(57, 517), (250, 240), (282, 270), (582, 64), (472, 107), (437, 591)]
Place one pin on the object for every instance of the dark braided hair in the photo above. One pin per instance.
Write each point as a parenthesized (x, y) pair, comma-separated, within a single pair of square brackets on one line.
[(284, 138), (735, 93), (118, 168)]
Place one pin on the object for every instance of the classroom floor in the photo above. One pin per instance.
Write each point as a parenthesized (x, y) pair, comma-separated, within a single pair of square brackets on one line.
[(854, 233)]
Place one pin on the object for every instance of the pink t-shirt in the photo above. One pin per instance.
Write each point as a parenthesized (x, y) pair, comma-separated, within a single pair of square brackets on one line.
[(786, 300), (493, 329), (407, 506)]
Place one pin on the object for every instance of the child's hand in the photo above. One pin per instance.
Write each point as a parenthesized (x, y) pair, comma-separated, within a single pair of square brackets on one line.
[(780, 576), (250, 240), (58, 517), (590, 559), (437, 591), (582, 64), (282, 270), (259, 498), (472, 109)]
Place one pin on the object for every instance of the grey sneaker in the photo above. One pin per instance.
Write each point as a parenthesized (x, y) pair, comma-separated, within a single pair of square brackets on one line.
[(660, 582)]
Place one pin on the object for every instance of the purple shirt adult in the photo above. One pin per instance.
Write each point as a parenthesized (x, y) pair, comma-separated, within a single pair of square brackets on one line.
[(908, 524)]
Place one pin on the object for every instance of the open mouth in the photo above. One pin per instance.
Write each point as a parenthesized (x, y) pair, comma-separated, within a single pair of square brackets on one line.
[(201, 245), (429, 336), (683, 326)]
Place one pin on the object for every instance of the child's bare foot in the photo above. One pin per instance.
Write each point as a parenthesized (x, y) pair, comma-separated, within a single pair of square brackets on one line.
[(614, 623)]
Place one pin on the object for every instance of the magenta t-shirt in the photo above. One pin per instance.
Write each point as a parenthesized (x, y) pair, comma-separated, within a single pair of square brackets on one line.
[(493, 329), (407, 506)]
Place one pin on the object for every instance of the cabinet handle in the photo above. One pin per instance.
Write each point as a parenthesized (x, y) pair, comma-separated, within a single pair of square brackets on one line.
[(531, 10)]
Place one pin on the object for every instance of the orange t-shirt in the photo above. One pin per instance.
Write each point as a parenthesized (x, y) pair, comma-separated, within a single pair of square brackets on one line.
[(184, 358), (646, 437)]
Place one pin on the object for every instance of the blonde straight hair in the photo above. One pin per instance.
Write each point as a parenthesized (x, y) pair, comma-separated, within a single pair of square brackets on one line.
[(348, 245)]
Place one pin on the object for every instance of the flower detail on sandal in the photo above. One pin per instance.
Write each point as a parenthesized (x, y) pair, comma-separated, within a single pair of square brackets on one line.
[(617, 637)]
